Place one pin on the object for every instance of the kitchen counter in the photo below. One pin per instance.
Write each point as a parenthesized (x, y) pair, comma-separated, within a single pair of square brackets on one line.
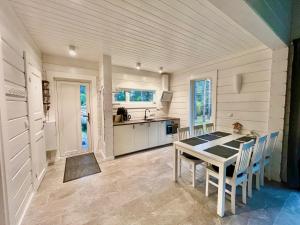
[(146, 121)]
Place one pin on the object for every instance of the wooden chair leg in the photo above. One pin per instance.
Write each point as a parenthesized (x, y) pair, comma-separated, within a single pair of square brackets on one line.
[(257, 180), (207, 183), (244, 194), (250, 185), (233, 192), (269, 172), (262, 175), (179, 167), (194, 173)]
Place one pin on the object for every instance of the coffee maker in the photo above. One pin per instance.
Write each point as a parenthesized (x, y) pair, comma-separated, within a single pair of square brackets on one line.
[(123, 112)]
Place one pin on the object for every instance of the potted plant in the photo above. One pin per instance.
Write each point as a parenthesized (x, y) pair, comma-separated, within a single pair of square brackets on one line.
[(237, 128)]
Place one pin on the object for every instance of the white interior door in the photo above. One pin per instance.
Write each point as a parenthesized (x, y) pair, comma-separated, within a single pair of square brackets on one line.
[(73, 117), (36, 120)]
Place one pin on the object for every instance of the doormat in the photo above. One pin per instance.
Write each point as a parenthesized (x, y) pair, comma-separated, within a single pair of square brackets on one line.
[(80, 166)]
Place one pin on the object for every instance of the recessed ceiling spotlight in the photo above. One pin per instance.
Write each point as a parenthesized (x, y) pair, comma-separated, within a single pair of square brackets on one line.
[(138, 65), (72, 50), (161, 69)]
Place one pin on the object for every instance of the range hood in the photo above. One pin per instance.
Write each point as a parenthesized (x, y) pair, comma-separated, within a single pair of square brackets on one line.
[(166, 96)]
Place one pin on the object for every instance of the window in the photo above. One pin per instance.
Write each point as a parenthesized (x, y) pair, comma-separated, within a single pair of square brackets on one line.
[(134, 96), (141, 96), (120, 96), (202, 107)]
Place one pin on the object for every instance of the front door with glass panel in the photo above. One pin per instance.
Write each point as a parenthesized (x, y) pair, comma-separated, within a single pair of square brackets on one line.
[(201, 94), (73, 104)]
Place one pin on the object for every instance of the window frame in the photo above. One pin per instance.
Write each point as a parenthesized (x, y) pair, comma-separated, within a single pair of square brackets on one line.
[(135, 104), (204, 95), (212, 75)]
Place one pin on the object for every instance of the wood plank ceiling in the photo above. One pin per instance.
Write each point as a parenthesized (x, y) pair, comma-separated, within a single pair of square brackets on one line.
[(175, 34)]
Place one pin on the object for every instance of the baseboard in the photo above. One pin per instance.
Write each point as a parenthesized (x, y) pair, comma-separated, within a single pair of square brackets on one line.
[(101, 153), (37, 185), (103, 156), (26, 207), (34, 190), (109, 158)]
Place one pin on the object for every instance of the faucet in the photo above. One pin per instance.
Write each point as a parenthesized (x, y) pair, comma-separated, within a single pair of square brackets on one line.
[(145, 117)]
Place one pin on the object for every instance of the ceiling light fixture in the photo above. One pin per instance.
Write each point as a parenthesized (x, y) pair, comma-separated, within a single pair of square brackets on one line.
[(160, 70), (138, 65), (72, 50)]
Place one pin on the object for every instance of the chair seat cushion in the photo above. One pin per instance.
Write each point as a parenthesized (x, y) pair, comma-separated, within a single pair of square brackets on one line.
[(188, 156), (229, 170)]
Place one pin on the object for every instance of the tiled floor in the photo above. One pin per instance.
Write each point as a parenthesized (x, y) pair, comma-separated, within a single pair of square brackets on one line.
[(138, 189)]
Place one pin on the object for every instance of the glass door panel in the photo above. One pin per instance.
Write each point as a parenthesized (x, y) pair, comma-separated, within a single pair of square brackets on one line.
[(201, 105), (85, 117)]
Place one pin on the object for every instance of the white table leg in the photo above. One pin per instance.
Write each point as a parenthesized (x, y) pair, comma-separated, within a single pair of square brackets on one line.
[(221, 191), (175, 168)]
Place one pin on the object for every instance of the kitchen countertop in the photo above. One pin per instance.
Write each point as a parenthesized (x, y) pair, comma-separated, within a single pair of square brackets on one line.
[(146, 121)]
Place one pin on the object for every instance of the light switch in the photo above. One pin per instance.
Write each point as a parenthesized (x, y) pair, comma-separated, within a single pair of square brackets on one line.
[(230, 114)]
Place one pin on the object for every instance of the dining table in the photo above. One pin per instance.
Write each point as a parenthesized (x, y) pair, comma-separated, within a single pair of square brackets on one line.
[(217, 148)]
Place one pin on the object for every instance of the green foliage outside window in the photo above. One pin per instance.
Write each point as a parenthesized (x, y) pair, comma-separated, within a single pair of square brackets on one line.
[(120, 96), (134, 96), (141, 96)]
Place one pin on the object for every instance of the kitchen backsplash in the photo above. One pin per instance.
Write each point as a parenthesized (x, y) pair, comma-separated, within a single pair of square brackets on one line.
[(139, 113)]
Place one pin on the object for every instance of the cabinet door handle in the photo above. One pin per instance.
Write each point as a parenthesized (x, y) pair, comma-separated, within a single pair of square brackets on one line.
[(133, 126)]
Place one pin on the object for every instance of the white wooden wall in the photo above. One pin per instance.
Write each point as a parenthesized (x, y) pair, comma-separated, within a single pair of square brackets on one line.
[(260, 104), (15, 131), (249, 107), (287, 117), (14, 116), (277, 104), (2, 190), (123, 77)]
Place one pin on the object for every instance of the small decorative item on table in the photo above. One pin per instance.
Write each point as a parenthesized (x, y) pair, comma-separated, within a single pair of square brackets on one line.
[(237, 128)]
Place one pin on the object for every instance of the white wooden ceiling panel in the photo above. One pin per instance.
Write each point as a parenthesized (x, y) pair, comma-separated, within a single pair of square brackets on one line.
[(175, 34)]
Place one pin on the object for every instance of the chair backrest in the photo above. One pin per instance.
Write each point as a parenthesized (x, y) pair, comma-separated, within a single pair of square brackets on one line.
[(198, 130), (244, 157), (183, 133), (209, 127), (259, 149), (271, 144)]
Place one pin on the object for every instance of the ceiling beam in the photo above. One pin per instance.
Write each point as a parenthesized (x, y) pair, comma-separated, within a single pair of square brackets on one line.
[(242, 14)]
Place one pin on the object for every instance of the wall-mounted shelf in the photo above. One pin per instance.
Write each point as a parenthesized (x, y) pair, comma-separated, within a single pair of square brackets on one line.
[(46, 95)]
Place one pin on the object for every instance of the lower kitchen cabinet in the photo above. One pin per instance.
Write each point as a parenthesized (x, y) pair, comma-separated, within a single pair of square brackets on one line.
[(139, 136), (123, 139), (153, 136), (163, 137)]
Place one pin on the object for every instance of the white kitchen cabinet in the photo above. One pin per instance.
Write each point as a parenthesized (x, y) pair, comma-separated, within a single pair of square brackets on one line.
[(141, 133), (123, 139), (163, 137), (139, 136), (153, 134)]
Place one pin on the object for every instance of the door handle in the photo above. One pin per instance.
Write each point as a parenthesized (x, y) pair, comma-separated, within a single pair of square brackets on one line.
[(88, 117)]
